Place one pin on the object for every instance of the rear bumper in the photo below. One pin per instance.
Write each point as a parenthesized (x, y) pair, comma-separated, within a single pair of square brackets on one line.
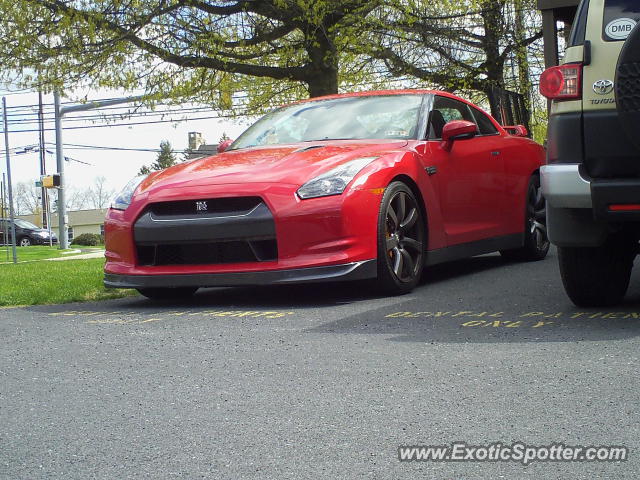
[(616, 200), (563, 186), (348, 271), (611, 200), (582, 211)]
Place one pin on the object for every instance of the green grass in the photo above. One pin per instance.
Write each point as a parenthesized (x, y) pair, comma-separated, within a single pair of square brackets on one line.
[(38, 283), (34, 252)]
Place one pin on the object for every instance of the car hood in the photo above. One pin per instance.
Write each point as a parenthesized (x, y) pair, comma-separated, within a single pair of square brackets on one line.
[(289, 164)]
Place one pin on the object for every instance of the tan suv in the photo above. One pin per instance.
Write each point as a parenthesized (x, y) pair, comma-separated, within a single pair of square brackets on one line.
[(592, 177)]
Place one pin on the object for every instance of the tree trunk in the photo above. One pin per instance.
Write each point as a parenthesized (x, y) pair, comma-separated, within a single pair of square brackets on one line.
[(492, 19), (324, 83), (524, 78), (322, 77)]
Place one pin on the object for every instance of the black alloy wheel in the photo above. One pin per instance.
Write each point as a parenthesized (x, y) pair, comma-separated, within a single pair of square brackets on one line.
[(536, 242), (401, 240)]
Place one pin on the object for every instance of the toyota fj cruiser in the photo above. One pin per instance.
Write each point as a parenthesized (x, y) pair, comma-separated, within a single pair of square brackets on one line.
[(592, 178)]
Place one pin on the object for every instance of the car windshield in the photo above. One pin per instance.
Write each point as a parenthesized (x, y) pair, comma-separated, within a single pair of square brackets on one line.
[(25, 224), (365, 117)]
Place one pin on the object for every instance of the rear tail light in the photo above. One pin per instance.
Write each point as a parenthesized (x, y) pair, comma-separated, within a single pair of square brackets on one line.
[(562, 82)]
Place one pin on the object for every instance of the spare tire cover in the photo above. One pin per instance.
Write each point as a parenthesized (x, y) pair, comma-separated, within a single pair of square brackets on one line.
[(627, 86)]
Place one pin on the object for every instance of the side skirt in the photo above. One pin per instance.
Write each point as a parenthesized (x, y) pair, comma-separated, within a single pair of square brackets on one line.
[(471, 249)]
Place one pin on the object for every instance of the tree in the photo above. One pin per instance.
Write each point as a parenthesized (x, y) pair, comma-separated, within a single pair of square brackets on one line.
[(459, 46), (98, 194), (186, 49), (165, 159), (76, 199), (27, 198)]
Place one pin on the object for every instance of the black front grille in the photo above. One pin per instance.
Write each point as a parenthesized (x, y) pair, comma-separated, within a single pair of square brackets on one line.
[(231, 230), (218, 206), (208, 253)]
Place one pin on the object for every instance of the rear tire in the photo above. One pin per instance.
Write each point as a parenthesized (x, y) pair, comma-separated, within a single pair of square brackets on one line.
[(401, 240), (597, 276), (536, 242), (167, 293)]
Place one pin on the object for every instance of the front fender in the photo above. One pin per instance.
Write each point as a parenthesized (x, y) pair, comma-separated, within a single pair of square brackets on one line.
[(407, 167)]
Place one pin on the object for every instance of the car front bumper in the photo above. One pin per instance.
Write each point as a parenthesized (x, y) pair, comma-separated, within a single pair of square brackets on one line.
[(344, 272), (315, 233), (44, 241)]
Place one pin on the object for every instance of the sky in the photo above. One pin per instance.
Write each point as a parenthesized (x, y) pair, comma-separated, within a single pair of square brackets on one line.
[(118, 167)]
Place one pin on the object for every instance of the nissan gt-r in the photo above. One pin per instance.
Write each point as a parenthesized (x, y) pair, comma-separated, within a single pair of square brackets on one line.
[(373, 185)]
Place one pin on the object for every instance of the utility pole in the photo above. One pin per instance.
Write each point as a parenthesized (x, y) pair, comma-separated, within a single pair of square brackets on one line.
[(5, 225), (59, 113), (43, 165), (63, 239), (6, 148)]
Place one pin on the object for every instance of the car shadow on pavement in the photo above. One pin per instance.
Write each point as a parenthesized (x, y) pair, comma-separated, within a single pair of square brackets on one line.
[(506, 312), (314, 295)]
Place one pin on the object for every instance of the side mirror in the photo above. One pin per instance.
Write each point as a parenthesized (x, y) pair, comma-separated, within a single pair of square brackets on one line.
[(517, 130), (224, 145), (457, 130)]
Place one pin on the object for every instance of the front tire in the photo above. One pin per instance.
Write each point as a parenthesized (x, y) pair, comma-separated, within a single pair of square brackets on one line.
[(536, 242), (24, 242), (168, 293), (401, 240), (597, 276)]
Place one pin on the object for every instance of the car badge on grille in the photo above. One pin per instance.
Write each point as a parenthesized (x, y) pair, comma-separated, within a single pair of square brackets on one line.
[(201, 207), (603, 87)]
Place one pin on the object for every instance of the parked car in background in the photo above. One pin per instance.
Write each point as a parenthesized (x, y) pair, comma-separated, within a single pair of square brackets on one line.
[(371, 185), (592, 180), (26, 233)]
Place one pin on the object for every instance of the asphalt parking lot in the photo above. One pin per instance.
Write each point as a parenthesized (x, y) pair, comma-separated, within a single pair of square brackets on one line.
[(321, 381)]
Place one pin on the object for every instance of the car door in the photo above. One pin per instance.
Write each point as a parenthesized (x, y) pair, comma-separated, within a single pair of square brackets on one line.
[(470, 177)]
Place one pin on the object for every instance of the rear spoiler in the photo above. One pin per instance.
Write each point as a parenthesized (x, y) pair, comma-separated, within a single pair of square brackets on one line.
[(516, 130)]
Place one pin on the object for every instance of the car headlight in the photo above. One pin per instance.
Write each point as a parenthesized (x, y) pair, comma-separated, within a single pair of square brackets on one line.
[(123, 199), (334, 181), (43, 234)]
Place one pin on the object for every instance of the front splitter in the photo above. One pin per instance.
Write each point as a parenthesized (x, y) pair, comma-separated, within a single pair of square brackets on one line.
[(331, 273)]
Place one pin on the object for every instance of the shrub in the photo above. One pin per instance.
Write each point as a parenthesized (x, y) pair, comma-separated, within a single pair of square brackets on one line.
[(88, 240)]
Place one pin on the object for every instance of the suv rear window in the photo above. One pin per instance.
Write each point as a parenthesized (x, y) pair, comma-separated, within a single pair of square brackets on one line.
[(620, 16)]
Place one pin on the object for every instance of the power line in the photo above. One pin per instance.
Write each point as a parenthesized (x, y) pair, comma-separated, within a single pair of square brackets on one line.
[(112, 116), (133, 123), (73, 146)]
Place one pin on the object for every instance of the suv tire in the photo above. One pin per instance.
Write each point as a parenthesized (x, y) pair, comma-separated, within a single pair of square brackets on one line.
[(627, 86), (597, 276)]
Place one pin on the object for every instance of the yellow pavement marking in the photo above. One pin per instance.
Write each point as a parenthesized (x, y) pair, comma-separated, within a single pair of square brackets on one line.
[(137, 317), (531, 319)]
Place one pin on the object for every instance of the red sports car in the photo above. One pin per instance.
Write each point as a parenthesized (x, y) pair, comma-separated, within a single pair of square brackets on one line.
[(373, 185)]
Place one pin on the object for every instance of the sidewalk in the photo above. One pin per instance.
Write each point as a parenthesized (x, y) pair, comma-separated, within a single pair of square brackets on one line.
[(95, 254)]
